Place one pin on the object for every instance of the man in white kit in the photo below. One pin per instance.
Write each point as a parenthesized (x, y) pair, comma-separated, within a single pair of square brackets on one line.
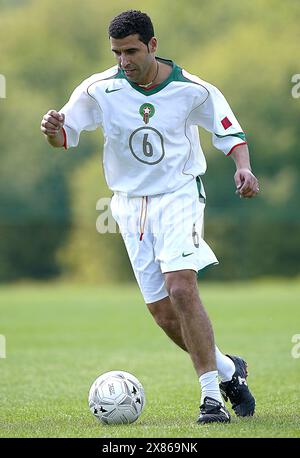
[(150, 109)]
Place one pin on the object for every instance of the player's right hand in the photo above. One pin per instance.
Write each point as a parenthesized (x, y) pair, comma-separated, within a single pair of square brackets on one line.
[(52, 123)]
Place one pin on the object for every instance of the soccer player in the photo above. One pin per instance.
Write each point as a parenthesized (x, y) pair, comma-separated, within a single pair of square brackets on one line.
[(150, 109)]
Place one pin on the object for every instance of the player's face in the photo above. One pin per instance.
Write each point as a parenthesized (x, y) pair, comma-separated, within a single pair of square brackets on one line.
[(134, 57)]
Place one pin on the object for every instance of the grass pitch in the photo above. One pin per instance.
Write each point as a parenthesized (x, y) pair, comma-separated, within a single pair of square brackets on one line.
[(59, 338)]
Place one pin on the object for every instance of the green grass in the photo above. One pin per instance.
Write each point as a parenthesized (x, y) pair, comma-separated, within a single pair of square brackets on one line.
[(59, 338)]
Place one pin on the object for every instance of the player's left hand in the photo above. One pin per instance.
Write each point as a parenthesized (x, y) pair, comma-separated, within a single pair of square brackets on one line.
[(246, 183)]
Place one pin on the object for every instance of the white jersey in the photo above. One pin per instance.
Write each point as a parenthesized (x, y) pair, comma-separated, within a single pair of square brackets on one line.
[(151, 136)]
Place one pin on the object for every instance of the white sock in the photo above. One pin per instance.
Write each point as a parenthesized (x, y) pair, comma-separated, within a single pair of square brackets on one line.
[(210, 386), (225, 366)]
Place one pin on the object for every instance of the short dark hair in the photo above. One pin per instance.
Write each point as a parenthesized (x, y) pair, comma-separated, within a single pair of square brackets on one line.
[(132, 22)]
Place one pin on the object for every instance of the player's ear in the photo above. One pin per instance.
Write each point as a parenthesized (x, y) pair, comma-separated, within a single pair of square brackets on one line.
[(152, 45)]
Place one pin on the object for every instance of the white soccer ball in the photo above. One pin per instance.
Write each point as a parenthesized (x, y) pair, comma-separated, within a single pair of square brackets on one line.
[(116, 397)]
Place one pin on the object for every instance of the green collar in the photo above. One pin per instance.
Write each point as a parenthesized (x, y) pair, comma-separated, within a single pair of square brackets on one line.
[(160, 86)]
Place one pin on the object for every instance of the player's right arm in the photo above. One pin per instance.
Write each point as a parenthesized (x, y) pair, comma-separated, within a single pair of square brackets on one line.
[(52, 127), (81, 113)]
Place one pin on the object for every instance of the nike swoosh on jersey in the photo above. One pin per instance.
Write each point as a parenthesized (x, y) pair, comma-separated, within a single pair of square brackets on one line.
[(108, 91), (185, 255)]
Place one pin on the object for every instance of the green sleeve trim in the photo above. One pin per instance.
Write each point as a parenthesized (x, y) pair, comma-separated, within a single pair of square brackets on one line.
[(240, 135)]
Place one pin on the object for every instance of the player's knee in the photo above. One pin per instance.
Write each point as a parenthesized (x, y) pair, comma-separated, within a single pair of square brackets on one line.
[(179, 291), (180, 285)]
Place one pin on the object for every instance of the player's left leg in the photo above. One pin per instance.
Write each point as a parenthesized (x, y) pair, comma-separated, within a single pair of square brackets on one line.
[(164, 313), (195, 325), (198, 337), (166, 317), (232, 370)]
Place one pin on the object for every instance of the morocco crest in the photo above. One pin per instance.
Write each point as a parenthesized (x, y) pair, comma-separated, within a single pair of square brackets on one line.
[(147, 111)]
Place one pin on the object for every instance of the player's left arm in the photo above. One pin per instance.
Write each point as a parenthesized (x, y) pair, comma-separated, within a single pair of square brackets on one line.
[(246, 183), (215, 115)]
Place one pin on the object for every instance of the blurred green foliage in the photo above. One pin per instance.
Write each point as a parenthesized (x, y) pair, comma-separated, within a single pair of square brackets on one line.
[(249, 50)]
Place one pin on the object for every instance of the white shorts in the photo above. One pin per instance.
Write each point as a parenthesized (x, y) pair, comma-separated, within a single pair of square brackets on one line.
[(163, 233)]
